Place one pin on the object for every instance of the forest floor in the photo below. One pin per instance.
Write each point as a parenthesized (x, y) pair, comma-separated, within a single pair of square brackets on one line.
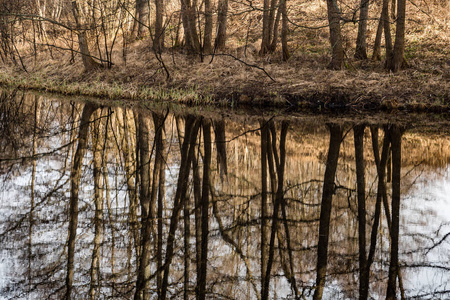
[(238, 76)]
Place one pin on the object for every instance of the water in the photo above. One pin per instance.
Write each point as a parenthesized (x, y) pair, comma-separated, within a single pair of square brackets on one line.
[(172, 202)]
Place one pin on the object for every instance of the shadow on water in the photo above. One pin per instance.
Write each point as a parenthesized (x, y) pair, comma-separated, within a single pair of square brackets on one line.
[(110, 202)]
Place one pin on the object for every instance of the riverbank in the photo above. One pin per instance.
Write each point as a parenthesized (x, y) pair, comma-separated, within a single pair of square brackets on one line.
[(234, 78)]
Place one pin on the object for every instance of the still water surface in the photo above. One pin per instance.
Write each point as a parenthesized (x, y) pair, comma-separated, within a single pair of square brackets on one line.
[(120, 203)]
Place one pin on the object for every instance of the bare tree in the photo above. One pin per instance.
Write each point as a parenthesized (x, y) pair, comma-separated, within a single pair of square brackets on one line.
[(75, 177), (325, 208)]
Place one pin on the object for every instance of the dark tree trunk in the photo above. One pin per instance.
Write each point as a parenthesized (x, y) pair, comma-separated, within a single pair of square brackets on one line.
[(141, 18), (284, 31), (207, 38), (187, 154), (222, 16), (396, 137), (88, 62), (204, 204), (266, 28), (274, 23), (263, 247), (381, 171), (361, 191), (188, 17), (325, 208), (98, 202), (361, 51), (398, 61), (158, 41), (75, 177), (146, 211), (337, 56), (160, 148), (277, 203), (221, 147), (387, 33), (376, 55)]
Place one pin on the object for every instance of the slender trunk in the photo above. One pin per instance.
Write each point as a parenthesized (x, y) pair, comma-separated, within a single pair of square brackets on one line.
[(88, 62), (334, 17), (142, 16), (361, 52), (263, 248), (98, 201), (187, 252), (75, 178), (381, 171), (222, 16), (158, 41), (376, 55), (325, 208), (221, 147), (129, 157), (274, 21), (159, 121), (396, 135), (189, 18), (361, 191), (266, 28), (398, 59), (201, 282), (187, 154), (277, 204), (198, 216), (387, 33), (284, 31), (207, 38), (146, 212)]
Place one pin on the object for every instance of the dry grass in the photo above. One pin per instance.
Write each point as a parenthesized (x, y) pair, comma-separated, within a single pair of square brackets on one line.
[(303, 81)]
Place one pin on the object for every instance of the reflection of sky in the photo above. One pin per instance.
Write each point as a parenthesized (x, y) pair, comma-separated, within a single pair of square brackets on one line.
[(426, 218)]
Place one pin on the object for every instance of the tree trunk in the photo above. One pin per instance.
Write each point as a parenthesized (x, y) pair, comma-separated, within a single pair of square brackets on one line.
[(325, 208), (189, 18), (387, 33), (284, 31), (222, 16), (204, 204), (361, 52), (396, 135), (398, 59), (146, 212), (187, 154), (337, 56), (88, 62), (207, 38), (142, 16), (277, 203), (75, 177), (158, 41), (159, 121), (381, 171), (98, 201), (266, 29), (376, 55), (263, 247), (361, 191), (221, 147)]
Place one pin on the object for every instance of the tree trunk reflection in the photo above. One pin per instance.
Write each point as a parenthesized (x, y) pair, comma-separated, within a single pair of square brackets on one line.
[(325, 207), (75, 177)]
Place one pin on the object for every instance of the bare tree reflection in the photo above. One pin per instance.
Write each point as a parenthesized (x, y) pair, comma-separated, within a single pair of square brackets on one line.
[(325, 208), (113, 203), (75, 177)]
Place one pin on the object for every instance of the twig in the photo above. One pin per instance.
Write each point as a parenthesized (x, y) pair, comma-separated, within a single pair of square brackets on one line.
[(243, 62)]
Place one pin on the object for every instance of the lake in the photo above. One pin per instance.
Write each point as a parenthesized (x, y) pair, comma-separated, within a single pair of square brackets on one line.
[(163, 201)]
